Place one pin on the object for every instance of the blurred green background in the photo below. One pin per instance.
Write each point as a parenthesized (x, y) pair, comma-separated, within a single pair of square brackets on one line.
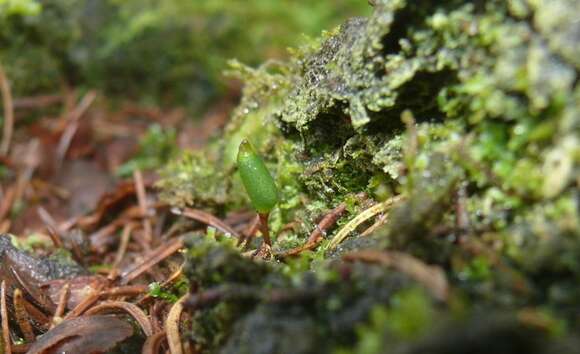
[(161, 52)]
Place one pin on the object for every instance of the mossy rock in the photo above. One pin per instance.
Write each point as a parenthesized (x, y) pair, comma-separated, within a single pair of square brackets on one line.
[(470, 113)]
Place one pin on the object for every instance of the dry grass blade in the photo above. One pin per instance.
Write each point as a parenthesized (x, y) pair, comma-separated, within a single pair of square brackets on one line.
[(431, 277), (172, 326), (206, 218), (153, 343), (4, 315), (135, 312), (156, 256), (359, 219), (22, 316), (7, 102)]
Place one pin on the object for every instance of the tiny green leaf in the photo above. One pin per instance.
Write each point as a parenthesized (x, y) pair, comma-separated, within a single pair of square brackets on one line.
[(257, 180)]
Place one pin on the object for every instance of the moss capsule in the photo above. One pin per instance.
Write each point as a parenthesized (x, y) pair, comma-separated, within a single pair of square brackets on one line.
[(257, 180)]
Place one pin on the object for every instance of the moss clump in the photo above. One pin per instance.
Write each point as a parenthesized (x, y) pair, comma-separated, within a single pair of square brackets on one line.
[(470, 112)]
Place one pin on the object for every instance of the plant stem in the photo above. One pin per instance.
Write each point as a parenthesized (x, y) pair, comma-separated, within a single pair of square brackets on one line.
[(264, 228)]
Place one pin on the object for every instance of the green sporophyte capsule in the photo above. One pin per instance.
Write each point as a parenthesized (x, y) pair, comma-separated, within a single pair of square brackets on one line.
[(257, 180)]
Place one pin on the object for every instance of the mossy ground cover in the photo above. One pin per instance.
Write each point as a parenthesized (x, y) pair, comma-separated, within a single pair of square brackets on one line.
[(469, 114), (425, 157)]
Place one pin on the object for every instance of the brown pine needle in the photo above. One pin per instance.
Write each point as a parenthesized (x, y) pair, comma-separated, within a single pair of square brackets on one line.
[(37, 315), (4, 315), (206, 218), (172, 326), (125, 238), (7, 102), (142, 200), (128, 290), (69, 133), (22, 316), (431, 277), (317, 234), (359, 219), (153, 343), (154, 257), (60, 308), (133, 310), (85, 304)]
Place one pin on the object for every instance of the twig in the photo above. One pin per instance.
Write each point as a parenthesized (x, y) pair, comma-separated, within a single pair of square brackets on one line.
[(22, 316), (142, 199), (133, 310), (431, 277), (172, 326), (156, 256), (206, 218), (359, 219), (8, 113), (4, 315)]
